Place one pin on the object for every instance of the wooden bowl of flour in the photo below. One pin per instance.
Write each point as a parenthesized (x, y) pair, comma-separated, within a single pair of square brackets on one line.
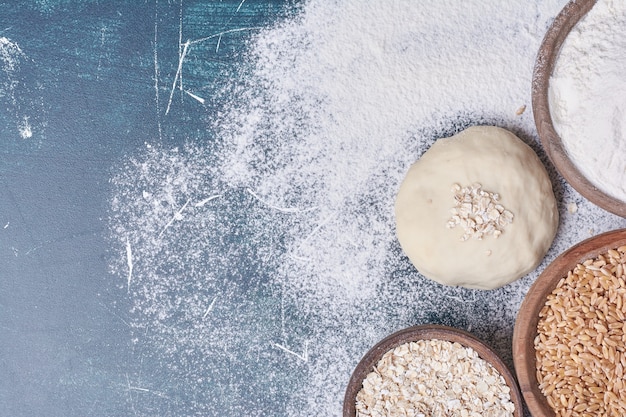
[(545, 63)]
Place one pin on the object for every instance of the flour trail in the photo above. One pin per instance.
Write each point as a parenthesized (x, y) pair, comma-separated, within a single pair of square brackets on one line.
[(23, 115), (270, 293)]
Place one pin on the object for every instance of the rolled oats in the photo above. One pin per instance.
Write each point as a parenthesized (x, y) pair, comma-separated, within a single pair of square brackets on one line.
[(478, 212), (434, 378)]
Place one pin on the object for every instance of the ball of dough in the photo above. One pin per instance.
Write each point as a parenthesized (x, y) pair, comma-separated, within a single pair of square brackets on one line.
[(489, 168)]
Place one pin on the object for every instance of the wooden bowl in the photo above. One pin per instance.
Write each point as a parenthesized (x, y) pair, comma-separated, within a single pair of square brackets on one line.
[(544, 65), (426, 332), (525, 329)]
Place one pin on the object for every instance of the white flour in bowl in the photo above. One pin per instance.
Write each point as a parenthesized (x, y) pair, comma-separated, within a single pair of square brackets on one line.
[(588, 96)]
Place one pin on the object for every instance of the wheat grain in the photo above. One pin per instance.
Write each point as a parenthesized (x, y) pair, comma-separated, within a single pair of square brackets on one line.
[(579, 348)]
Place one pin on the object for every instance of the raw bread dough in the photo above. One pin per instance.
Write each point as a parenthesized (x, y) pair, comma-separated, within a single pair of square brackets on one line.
[(501, 163)]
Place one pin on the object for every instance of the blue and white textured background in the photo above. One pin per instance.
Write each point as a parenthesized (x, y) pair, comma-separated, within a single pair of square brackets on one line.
[(196, 197)]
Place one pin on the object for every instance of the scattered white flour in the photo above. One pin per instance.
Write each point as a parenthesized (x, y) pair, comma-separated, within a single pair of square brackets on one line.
[(15, 90), (261, 264), (588, 96), (11, 56), (25, 129)]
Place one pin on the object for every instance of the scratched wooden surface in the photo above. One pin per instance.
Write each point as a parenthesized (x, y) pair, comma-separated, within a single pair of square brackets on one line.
[(81, 84)]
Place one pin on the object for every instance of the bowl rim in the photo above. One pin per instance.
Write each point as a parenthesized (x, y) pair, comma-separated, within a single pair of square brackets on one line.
[(546, 59), (525, 329), (427, 332)]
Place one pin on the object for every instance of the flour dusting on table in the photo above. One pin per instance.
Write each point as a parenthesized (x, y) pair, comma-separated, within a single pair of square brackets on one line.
[(265, 264), (12, 85)]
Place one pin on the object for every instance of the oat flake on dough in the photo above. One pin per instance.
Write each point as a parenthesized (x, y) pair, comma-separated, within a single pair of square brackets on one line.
[(502, 163)]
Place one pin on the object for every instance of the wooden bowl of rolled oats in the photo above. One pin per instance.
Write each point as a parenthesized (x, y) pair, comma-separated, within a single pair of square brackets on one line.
[(432, 370), (569, 341)]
